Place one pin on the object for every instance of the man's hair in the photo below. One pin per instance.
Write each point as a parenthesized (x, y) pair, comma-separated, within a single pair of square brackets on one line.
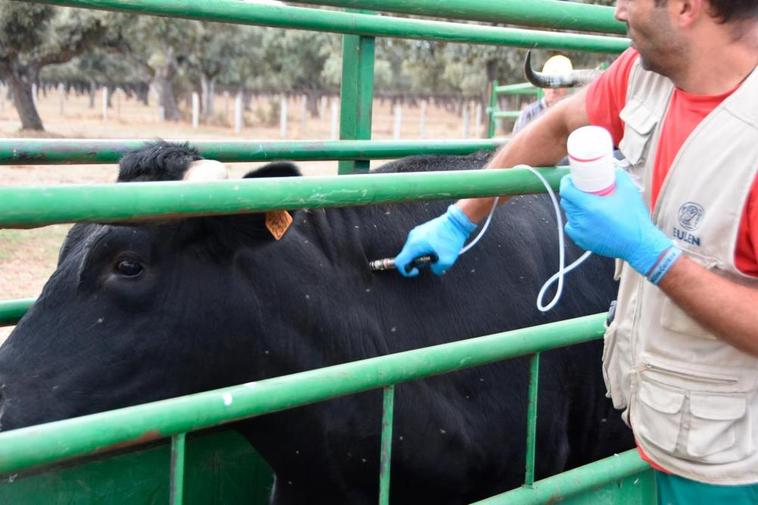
[(733, 10), (728, 10)]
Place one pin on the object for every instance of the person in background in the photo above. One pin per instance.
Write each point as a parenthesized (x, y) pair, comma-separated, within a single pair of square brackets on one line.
[(681, 355), (555, 65)]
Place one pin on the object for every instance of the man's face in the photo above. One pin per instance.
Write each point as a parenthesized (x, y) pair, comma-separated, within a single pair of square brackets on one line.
[(554, 95), (650, 28)]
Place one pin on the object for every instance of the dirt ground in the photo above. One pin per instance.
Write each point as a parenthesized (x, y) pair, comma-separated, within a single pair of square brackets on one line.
[(28, 257)]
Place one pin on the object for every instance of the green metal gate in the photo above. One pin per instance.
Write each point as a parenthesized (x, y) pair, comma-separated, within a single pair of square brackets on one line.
[(43, 464)]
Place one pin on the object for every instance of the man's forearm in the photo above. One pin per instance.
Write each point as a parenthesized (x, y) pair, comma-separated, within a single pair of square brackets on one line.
[(541, 143), (725, 307)]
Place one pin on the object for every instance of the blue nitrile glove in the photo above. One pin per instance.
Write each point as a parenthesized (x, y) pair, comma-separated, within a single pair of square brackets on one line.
[(443, 236), (617, 225)]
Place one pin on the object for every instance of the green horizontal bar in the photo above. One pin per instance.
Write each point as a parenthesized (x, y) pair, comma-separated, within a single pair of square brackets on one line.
[(53, 442), (15, 151), (539, 13), (34, 206), (509, 114), (12, 310), (282, 16), (567, 484), (523, 88)]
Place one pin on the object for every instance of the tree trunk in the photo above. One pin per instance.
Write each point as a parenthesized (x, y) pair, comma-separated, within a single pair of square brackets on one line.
[(208, 93), (166, 97), (92, 91), (20, 90), (313, 98)]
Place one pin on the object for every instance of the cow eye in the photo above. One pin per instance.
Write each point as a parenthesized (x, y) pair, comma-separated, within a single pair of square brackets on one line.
[(128, 267)]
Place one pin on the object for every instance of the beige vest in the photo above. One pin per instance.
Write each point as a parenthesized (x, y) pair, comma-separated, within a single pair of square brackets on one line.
[(691, 399)]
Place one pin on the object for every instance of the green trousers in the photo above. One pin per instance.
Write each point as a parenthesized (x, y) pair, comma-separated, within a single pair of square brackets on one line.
[(675, 490)]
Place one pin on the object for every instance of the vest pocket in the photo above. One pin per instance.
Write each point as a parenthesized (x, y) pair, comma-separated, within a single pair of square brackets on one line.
[(719, 428), (640, 124), (659, 415)]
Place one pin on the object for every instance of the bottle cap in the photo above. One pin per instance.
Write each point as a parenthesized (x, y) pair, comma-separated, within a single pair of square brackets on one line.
[(590, 151)]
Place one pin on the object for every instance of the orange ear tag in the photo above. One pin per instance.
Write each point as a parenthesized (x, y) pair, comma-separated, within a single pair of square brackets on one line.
[(278, 222)]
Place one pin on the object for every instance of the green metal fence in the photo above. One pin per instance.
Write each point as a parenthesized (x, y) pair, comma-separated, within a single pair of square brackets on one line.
[(623, 479), (493, 110)]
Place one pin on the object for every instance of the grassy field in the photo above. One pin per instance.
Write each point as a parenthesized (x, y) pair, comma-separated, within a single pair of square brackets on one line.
[(28, 257)]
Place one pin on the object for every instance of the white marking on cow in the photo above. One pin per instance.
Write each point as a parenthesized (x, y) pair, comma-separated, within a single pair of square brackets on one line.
[(206, 170), (100, 319), (443, 431), (473, 270), (307, 297), (393, 329), (363, 460), (400, 437), (228, 399), (368, 290)]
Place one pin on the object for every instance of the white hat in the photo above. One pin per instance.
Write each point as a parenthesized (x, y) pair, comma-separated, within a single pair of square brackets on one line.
[(557, 64)]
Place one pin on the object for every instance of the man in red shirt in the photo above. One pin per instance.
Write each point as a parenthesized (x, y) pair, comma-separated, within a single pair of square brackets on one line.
[(681, 357)]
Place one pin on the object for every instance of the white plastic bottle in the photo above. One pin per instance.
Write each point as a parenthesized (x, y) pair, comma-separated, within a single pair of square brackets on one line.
[(590, 151)]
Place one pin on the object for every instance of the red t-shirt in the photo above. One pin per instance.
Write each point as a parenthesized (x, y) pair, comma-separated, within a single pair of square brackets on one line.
[(605, 99)]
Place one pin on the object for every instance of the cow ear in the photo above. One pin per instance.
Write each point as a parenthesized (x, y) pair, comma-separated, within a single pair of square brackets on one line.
[(275, 169), (261, 227)]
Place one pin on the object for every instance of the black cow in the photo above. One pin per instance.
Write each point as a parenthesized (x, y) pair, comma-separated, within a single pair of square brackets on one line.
[(137, 313)]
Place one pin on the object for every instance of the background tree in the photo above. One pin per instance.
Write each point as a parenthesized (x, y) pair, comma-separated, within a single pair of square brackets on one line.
[(33, 36)]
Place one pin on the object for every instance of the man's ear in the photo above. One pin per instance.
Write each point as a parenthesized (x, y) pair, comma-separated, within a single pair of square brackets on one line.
[(687, 12)]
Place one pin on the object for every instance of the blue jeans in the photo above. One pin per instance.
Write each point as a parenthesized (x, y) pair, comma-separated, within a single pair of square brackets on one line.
[(675, 490)]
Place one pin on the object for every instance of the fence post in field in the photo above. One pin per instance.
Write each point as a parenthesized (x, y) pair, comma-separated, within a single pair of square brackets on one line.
[(422, 120), (323, 106), (335, 120), (303, 116), (226, 106), (195, 110), (61, 97), (238, 112), (104, 96), (398, 121), (283, 116), (465, 120)]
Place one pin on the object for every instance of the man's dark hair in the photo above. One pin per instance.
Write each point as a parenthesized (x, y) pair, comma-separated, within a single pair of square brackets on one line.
[(728, 10), (733, 10)]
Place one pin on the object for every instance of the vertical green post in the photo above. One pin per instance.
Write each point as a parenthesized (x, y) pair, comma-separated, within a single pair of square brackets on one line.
[(492, 123), (357, 95), (531, 418), (176, 495), (386, 450)]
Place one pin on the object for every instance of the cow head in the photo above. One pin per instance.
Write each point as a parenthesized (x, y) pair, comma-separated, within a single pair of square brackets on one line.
[(139, 312)]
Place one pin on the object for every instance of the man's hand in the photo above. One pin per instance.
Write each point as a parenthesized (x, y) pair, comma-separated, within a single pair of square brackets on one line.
[(443, 236), (616, 225)]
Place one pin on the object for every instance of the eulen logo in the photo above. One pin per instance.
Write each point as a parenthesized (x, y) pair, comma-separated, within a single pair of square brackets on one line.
[(691, 215)]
